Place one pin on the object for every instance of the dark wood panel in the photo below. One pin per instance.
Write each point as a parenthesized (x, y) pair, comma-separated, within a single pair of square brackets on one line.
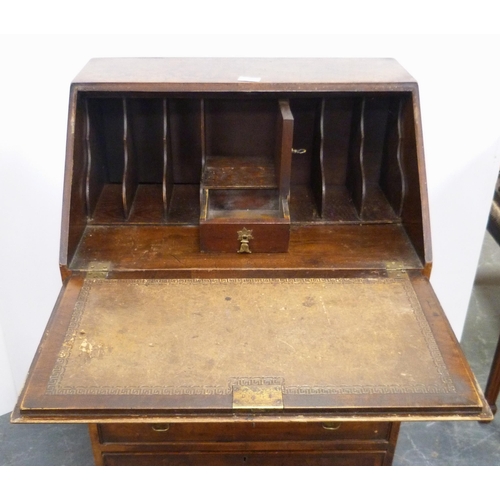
[(185, 139), (284, 144), (339, 205), (250, 458), (74, 216), (109, 206), (146, 121), (392, 180), (130, 179), (356, 176), (239, 172), (270, 233), (415, 209), (94, 154), (337, 120), (184, 205), (375, 127), (148, 205), (314, 247), (306, 114), (376, 206), (112, 133), (240, 127)]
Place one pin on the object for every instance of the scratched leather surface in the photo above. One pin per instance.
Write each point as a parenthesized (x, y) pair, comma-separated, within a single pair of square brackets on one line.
[(203, 336)]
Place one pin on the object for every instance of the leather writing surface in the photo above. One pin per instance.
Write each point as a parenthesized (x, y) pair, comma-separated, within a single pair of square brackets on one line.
[(335, 338)]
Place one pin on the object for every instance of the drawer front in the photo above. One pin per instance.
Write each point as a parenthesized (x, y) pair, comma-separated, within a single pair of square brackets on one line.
[(242, 432), (225, 237), (259, 459)]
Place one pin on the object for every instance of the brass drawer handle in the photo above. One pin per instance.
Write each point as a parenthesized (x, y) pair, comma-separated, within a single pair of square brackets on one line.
[(244, 237), (160, 427), (331, 426)]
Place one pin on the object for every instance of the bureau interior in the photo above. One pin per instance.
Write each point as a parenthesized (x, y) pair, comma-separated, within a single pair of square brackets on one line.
[(140, 160)]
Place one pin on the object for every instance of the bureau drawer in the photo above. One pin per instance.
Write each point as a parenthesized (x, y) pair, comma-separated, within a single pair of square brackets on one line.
[(242, 431), (258, 459)]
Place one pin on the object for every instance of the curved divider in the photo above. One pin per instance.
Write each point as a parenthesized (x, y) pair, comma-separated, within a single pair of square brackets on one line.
[(167, 180), (145, 158), (130, 181), (392, 179), (356, 176), (95, 174)]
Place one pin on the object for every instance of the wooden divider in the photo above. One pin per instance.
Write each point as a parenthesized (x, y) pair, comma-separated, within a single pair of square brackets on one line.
[(359, 148), (130, 180)]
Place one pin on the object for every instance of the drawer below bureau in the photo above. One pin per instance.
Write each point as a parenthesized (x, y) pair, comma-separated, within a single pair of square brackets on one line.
[(242, 432), (252, 458)]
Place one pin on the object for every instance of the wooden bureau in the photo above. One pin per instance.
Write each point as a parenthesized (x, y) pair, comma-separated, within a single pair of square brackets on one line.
[(245, 256)]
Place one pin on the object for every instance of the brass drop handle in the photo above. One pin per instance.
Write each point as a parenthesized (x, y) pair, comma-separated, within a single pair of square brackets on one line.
[(160, 427), (332, 426)]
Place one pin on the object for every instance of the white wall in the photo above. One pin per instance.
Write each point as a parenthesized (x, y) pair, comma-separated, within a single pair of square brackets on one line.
[(7, 393), (460, 102)]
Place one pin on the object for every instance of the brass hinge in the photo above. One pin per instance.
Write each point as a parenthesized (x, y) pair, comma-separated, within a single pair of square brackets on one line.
[(98, 270), (395, 270)]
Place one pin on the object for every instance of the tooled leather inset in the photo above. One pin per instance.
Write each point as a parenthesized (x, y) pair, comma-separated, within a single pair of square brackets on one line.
[(200, 337)]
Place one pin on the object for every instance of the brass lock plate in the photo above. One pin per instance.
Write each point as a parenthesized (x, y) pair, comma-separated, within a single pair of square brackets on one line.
[(258, 397)]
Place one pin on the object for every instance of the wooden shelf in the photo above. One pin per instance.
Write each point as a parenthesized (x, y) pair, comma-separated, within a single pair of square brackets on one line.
[(148, 206), (175, 249), (226, 172)]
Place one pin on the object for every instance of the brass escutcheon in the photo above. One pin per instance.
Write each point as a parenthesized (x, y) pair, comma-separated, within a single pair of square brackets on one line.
[(244, 236)]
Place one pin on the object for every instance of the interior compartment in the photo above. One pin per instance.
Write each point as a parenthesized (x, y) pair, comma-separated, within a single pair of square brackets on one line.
[(328, 158), (246, 175), (247, 144), (354, 154), (249, 204), (143, 160)]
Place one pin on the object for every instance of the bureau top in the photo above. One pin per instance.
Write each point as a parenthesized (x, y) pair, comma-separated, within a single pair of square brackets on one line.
[(235, 74)]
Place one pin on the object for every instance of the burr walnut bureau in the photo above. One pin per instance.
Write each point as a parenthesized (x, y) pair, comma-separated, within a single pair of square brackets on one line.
[(245, 257)]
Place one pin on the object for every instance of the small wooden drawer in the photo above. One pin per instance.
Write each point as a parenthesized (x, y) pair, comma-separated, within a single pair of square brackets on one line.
[(251, 458), (242, 432), (244, 221)]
